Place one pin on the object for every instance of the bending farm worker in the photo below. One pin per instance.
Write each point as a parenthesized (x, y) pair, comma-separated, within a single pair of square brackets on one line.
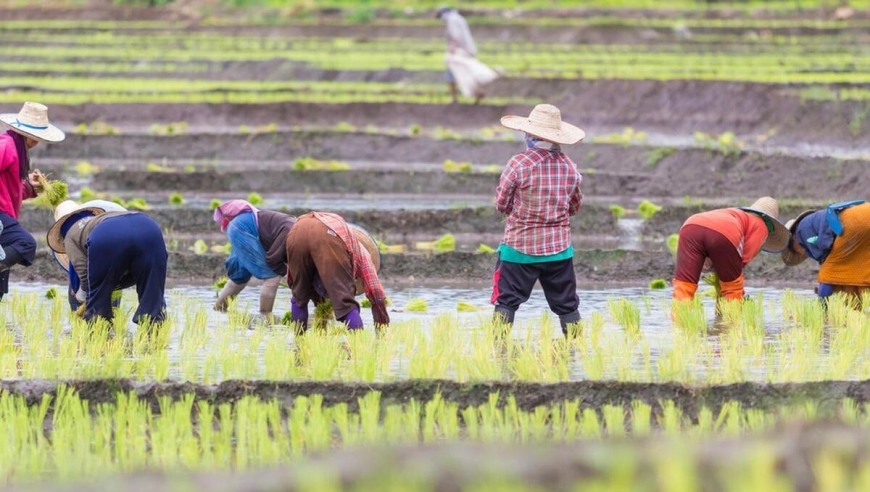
[(26, 130), (539, 191), (327, 258), (108, 251), (726, 240), (838, 238), (258, 239), (63, 260)]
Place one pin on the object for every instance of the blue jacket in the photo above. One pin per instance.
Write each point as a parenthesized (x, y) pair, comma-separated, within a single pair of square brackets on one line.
[(815, 235)]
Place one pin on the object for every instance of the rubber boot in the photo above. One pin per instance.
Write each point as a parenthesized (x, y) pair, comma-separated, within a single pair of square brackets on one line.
[(684, 291), (300, 316), (570, 328), (352, 320), (502, 320), (733, 290)]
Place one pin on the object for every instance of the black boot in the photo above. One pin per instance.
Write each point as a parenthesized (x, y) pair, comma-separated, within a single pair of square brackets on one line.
[(502, 320), (569, 323), (12, 257)]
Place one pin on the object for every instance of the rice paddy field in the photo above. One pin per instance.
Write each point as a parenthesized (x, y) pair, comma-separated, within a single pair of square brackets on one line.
[(172, 107)]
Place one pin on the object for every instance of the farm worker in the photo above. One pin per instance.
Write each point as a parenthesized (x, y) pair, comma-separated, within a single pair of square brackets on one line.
[(328, 258), (726, 240), (112, 250), (838, 238), (539, 191), (258, 239), (458, 38), (63, 260), (25, 130)]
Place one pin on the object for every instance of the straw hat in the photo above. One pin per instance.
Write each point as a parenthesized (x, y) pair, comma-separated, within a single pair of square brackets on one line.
[(32, 121), (63, 212), (768, 208), (368, 242), (545, 121), (61, 258), (790, 257)]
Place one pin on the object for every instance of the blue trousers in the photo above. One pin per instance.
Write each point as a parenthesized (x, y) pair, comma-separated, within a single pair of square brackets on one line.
[(20, 247), (127, 248)]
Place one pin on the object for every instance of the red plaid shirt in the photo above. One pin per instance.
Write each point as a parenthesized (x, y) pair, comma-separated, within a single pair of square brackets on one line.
[(363, 268), (539, 191)]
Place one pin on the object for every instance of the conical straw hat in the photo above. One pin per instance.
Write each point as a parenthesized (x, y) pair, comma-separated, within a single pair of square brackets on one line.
[(62, 212), (32, 121), (789, 257), (768, 208), (545, 121)]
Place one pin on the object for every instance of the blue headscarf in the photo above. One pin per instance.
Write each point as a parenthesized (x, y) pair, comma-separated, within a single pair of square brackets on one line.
[(248, 256)]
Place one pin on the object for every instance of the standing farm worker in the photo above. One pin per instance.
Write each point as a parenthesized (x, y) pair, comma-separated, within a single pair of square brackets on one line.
[(25, 130), (63, 260), (539, 191), (328, 258), (838, 238), (108, 251), (464, 72), (726, 240), (258, 239)]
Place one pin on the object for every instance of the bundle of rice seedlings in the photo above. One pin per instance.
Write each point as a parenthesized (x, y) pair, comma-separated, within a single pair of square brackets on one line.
[(712, 279), (53, 192), (658, 283), (466, 307), (137, 204), (483, 248), (219, 283), (200, 247), (647, 209), (255, 199), (417, 306), (366, 303), (51, 293), (673, 242)]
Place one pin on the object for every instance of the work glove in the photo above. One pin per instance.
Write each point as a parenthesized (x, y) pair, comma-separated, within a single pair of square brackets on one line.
[(379, 313), (268, 292), (81, 295), (230, 290)]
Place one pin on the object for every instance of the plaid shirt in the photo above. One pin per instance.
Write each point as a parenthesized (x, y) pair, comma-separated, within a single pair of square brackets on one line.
[(363, 268), (539, 191)]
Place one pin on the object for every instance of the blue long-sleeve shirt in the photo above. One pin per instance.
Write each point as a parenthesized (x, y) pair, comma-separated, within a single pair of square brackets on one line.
[(815, 235)]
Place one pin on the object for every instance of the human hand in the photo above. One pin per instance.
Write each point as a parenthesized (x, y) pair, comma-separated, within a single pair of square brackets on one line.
[(380, 314), (221, 304), (81, 295), (33, 179)]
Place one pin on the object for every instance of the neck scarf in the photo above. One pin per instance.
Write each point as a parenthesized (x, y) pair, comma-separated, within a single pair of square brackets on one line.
[(533, 142), (21, 148)]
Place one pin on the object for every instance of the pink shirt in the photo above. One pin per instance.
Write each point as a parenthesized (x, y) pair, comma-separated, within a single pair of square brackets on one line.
[(12, 188)]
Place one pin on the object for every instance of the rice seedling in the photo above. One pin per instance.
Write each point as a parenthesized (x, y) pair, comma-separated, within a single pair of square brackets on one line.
[(137, 203), (647, 209), (152, 167), (418, 305), (467, 307), (199, 247), (176, 199), (443, 244), (625, 313), (86, 194), (85, 168), (672, 242), (618, 211), (451, 166), (214, 204), (51, 293), (312, 164), (485, 249), (255, 199), (174, 128), (658, 284)]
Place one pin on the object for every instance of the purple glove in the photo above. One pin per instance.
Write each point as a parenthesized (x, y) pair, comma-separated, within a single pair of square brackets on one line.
[(379, 313), (299, 313), (352, 320)]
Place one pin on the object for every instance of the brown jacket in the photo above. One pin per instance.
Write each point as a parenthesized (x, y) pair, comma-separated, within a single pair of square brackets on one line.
[(76, 243), (273, 227)]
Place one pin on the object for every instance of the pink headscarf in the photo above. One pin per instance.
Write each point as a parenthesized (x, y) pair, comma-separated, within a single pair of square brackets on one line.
[(228, 210)]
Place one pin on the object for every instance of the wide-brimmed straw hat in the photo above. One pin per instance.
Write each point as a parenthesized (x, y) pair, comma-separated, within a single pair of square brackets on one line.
[(32, 121), (368, 242), (789, 257), (61, 258), (545, 121), (64, 211), (768, 209)]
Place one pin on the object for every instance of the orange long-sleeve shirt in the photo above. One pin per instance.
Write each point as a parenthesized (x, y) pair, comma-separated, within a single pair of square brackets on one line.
[(746, 231)]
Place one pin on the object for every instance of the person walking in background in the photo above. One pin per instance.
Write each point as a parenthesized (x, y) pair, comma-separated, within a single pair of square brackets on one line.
[(726, 240), (109, 250), (838, 239), (26, 130), (259, 249), (460, 44), (539, 191), (327, 258)]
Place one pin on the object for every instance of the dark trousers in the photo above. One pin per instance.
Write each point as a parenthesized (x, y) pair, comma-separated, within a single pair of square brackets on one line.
[(696, 244), (314, 251), (127, 245), (20, 247), (512, 284)]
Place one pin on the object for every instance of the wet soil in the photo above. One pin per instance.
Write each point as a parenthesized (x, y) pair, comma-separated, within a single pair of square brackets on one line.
[(828, 395)]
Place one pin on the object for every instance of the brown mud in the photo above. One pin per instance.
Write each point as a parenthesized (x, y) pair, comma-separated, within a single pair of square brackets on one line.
[(673, 108), (591, 266), (827, 395)]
